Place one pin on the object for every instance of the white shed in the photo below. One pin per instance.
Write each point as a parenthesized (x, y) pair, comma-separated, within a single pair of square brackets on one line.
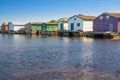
[(63, 24), (81, 22)]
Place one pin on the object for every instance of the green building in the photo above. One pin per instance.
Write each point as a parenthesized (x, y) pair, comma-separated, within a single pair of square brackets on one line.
[(49, 26), (35, 26)]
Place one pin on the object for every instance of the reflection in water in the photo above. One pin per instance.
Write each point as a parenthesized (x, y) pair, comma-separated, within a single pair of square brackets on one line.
[(65, 51), (87, 52), (25, 57), (7, 36), (65, 40)]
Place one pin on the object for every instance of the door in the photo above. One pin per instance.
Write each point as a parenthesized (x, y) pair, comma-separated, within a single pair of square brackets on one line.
[(72, 26), (111, 27), (118, 29), (61, 26), (44, 27)]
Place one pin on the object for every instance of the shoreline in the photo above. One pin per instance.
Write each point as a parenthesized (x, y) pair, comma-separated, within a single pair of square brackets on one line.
[(110, 36)]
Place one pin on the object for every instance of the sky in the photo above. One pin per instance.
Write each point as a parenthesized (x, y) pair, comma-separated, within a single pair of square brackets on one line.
[(46, 10)]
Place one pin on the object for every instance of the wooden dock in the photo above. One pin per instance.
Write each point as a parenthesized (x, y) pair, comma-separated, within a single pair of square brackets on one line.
[(50, 33), (105, 35), (72, 33)]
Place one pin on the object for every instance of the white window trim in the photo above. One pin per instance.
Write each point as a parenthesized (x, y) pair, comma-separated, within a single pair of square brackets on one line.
[(101, 17)]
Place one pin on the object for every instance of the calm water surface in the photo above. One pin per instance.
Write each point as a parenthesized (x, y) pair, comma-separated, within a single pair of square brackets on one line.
[(21, 53)]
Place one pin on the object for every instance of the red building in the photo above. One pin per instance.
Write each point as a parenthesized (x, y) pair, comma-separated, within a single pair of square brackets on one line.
[(5, 28)]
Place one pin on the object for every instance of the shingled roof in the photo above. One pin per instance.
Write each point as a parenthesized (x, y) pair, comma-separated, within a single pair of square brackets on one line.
[(117, 15), (51, 23), (86, 17), (65, 20), (35, 22)]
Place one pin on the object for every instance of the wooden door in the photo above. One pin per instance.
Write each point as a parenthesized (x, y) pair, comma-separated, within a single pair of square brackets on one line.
[(61, 26), (43, 27), (111, 27), (72, 26)]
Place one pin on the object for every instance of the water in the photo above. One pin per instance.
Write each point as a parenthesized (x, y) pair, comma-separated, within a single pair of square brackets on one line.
[(30, 57)]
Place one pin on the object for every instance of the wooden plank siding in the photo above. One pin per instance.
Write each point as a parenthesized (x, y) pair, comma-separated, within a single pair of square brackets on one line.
[(51, 27), (34, 27)]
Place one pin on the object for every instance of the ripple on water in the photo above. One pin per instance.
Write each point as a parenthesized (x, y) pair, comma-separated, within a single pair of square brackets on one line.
[(55, 57)]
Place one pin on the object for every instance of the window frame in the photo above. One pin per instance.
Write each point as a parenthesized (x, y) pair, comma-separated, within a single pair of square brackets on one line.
[(75, 18), (101, 17), (107, 17), (78, 24)]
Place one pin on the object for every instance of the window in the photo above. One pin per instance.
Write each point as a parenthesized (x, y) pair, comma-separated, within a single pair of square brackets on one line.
[(107, 17), (101, 17), (75, 19), (78, 24)]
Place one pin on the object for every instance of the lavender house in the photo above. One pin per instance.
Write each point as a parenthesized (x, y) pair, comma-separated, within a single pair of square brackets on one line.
[(107, 22)]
